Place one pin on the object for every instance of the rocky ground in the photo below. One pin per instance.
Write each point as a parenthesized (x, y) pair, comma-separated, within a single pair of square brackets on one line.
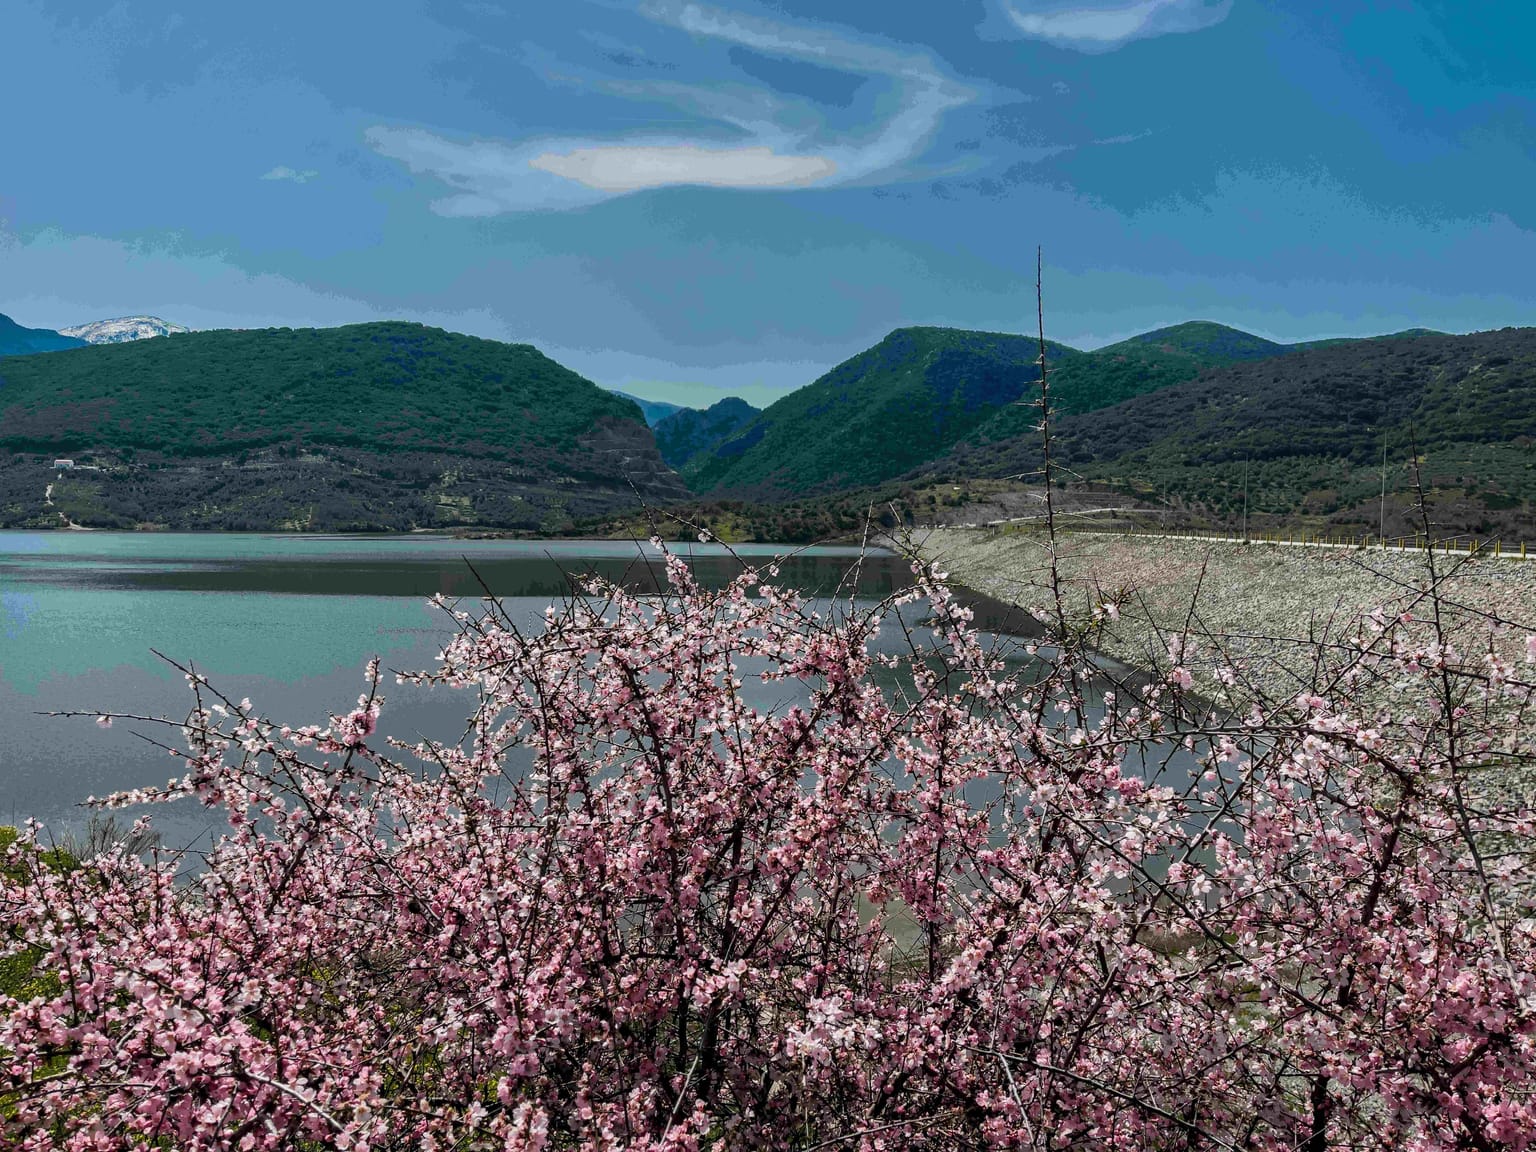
[(1255, 599)]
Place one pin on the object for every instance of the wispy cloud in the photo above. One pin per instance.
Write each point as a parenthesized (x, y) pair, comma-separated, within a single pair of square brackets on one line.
[(1100, 27), (283, 172), (622, 168), (1125, 137), (775, 150)]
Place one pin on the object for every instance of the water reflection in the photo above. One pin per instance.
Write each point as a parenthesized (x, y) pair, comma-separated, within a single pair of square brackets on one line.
[(286, 620), (289, 622)]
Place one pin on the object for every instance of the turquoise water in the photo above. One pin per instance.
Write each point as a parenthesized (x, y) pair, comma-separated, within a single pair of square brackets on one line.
[(286, 620)]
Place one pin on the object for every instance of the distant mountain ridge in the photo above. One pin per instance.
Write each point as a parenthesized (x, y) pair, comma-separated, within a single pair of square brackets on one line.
[(122, 329), (654, 411), (1146, 363), (397, 425), (892, 409), (1406, 333), (16, 340), (692, 432)]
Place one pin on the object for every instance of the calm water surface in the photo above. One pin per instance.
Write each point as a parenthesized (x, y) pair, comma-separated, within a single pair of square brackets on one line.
[(287, 620)]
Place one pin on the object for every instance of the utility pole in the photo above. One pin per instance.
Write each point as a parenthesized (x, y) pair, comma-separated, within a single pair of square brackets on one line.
[(1245, 499), (1382, 530)]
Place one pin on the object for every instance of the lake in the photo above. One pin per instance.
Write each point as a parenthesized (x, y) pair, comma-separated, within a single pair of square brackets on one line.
[(288, 621)]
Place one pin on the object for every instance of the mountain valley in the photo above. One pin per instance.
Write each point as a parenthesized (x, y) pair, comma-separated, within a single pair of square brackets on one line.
[(393, 426)]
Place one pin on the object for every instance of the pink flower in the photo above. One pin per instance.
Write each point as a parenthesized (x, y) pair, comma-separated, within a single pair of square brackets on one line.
[(712, 869)]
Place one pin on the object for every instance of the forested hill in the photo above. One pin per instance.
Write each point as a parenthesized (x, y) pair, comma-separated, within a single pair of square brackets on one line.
[(1309, 429), (16, 340), (390, 385), (917, 393), (882, 413), (1205, 341), (1088, 381), (689, 433), (407, 411)]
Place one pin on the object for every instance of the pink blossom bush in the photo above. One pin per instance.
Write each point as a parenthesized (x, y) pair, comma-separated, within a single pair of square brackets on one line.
[(945, 902)]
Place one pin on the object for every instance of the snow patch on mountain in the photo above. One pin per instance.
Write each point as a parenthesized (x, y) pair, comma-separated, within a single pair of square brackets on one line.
[(122, 329)]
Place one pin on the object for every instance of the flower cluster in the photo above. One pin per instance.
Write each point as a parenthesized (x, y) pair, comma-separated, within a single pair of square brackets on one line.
[(941, 901)]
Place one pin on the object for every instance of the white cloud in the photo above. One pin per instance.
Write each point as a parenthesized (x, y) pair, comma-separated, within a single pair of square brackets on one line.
[(495, 176), (923, 93), (629, 169), (283, 172), (782, 39), (491, 176), (1102, 28), (1125, 137)]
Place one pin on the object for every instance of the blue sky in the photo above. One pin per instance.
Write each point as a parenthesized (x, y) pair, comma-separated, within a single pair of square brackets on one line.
[(689, 200)]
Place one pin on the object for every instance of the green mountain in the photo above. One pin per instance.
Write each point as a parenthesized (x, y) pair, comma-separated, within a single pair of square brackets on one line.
[(18, 341), (881, 414), (691, 432), (1089, 381), (1205, 341), (926, 394), (1305, 433), (920, 391), (372, 425)]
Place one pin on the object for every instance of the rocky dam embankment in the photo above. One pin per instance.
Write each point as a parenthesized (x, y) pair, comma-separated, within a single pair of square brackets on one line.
[(1266, 606)]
